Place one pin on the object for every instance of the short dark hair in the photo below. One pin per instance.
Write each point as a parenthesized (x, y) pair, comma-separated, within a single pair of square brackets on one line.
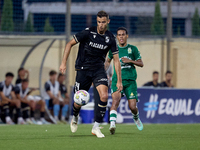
[(102, 13), (122, 28), (20, 69), (155, 72), (25, 80), (168, 72), (52, 72), (9, 74), (60, 75)]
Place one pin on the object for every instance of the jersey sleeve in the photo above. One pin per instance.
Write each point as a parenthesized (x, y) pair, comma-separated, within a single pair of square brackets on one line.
[(1, 87), (114, 48), (136, 53), (17, 90), (81, 36), (47, 87), (13, 88), (110, 55)]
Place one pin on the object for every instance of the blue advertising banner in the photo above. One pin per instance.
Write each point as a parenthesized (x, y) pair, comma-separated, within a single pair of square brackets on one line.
[(162, 106), (169, 105)]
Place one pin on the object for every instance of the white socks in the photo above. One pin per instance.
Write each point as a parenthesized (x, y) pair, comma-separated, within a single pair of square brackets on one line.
[(56, 118), (63, 118), (20, 119), (96, 124), (28, 120), (8, 119), (112, 123), (113, 117), (42, 119)]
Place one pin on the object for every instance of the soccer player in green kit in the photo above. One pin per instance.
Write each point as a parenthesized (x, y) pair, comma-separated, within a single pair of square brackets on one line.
[(129, 58)]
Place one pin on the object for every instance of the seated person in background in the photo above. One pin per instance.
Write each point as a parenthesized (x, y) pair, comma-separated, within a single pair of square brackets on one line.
[(52, 94), (168, 79), (22, 74), (65, 96), (27, 101), (153, 83), (8, 99)]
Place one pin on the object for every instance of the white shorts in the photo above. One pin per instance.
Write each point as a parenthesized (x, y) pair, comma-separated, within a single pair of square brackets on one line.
[(34, 98), (61, 99)]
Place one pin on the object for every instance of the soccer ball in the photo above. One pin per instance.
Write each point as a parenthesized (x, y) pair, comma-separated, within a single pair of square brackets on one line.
[(81, 97)]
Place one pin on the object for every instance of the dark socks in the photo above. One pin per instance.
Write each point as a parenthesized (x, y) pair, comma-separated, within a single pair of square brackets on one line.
[(76, 111), (42, 114), (136, 116), (18, 110), (101, 110), (6, 110), (32, 114), (25, 114)]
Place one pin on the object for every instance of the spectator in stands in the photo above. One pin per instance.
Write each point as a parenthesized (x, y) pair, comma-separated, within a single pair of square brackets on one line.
[(22, 74), (27, 101), (52, 94), (9, 100), (153, 83), (65, 96), (168, 79)]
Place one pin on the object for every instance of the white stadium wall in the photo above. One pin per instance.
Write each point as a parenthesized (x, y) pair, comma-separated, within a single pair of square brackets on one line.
[(184, 60)]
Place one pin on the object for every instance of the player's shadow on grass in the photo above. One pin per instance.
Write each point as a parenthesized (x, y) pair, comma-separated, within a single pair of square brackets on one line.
[(128, 134), (121, 133), (75, 136)]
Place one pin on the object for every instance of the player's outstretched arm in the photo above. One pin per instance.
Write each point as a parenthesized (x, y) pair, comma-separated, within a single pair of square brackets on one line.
[(118, 71), (66, 55)]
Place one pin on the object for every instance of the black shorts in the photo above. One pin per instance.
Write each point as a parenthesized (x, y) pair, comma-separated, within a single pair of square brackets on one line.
[(85, 78), (24, 105)]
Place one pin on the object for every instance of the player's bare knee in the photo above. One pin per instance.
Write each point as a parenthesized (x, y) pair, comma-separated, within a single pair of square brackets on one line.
[(65, 102), (55, 101), (32, 103), (133, 108), (104, 97), (4, 103), (17, 103), (42, 102)]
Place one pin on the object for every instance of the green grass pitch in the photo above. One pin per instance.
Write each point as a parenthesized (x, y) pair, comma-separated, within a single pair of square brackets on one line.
[(127, 137)]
